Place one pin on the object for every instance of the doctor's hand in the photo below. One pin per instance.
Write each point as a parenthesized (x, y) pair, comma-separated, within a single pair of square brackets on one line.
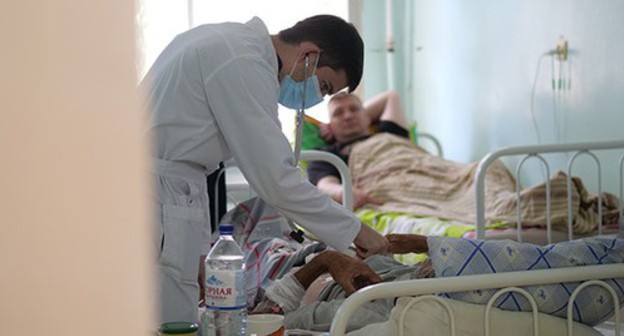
[(369, 242)]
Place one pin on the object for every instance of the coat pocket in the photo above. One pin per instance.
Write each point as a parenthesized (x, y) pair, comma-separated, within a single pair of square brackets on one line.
[(182, 239)]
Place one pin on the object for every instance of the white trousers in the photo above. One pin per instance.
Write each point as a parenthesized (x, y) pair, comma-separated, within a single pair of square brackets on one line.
[(182, 229)]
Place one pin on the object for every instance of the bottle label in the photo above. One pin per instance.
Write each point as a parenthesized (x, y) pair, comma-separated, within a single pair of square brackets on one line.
[(225, 290)]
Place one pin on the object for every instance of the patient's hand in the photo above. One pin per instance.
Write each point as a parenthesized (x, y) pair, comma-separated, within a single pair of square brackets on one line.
[(350, 273), (407, 243), (326, 133), (361, 198)]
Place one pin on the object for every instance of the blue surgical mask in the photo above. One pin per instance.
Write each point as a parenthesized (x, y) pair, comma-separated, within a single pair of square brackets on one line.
[(292, 93)]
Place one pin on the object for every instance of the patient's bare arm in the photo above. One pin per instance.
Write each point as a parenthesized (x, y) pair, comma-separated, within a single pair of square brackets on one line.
[(407, 243), (332, 186), (386, 106), (350, 273)]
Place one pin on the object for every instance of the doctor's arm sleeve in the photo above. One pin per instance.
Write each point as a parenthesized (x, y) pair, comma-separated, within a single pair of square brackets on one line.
[(243, 99)]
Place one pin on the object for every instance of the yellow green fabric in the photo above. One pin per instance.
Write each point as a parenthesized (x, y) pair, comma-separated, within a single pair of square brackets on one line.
[(311, 138), (394, 222), (389, 222)]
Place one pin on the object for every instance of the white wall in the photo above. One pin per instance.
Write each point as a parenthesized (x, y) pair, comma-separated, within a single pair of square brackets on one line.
[(74, 253), (474, 63)]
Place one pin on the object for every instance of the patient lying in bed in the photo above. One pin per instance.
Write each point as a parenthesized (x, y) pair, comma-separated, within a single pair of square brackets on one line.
[(391, 174), (273, 259), (350, 122), (311, 295)]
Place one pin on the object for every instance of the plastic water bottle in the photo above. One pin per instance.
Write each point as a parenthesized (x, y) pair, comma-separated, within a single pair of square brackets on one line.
[(226, 301)]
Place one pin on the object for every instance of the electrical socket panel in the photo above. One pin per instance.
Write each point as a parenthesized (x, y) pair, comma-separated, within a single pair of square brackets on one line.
[(562, 49)]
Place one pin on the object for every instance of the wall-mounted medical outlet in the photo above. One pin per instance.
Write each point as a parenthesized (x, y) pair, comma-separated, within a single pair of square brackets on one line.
[(561, 49)]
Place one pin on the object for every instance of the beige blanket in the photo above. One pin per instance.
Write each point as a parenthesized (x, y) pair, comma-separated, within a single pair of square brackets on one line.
[(408, 179)]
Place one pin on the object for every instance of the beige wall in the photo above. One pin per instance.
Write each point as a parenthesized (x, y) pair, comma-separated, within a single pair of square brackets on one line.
[(74, 253)]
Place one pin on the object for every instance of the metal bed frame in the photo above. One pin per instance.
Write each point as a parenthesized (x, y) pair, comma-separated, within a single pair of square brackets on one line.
[(536, 152), (306, 155), (510, 281)]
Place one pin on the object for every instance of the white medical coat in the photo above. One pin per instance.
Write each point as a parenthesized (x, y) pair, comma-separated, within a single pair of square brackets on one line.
[(214, 93)]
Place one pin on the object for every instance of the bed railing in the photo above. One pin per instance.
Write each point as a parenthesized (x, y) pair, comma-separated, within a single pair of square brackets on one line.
[(317, 155), (431, 138), (308, 155), (486, 281), (536, 151), (345, 176)]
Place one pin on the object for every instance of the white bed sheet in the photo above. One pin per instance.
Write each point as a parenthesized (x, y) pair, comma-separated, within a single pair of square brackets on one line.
[(430, 318)]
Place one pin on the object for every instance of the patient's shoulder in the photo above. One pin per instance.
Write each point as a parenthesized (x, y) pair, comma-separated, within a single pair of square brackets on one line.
[(387, 126)]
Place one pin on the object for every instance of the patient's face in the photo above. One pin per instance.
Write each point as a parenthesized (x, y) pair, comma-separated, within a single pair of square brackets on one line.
[(347, 119)]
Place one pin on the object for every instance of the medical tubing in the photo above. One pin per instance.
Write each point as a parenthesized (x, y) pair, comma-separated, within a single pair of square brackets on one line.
[(297, 234), (532, 107), (299, 134), (300, 114)]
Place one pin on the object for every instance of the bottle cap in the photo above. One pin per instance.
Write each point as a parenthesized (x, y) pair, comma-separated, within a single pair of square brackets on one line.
[(177, 328), (226, 229)]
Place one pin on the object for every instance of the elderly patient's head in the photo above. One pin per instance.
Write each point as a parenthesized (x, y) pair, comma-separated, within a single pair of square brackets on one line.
[(347, 118)]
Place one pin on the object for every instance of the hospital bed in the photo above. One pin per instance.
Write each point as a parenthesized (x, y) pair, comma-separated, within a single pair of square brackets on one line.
[(413, 303), (225, 195), (391, 222), (576, 150), (518, 213), (422, 292), (408, 319)]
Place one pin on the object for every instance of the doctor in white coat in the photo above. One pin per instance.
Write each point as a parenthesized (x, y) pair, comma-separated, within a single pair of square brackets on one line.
[(213, 94)]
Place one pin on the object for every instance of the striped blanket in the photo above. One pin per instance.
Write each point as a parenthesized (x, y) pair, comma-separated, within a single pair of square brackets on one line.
[(409, 180), (270, 253)]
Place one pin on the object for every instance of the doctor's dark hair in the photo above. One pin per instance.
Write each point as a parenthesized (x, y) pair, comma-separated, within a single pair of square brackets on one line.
[(341, 46)]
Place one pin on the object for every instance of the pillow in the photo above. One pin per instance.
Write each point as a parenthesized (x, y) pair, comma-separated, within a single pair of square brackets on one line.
[(311, 138), (456, 257), (430, 318)]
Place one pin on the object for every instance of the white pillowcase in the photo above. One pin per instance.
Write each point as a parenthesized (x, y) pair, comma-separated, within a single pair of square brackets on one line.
[(430, 318)]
